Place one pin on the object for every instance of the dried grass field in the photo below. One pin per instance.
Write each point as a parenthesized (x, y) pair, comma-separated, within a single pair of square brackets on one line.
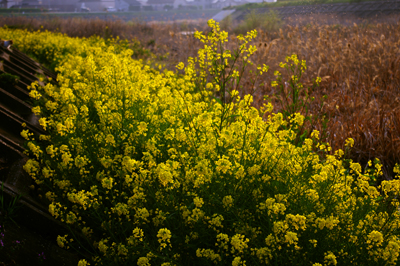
[(359, 63)]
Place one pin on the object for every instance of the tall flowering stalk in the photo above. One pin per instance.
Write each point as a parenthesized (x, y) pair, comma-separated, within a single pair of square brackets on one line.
[(295, 98), (218, 69)]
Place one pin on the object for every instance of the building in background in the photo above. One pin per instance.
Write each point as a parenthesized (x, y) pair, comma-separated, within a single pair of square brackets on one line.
[(9, 3), (31, 3), (158, 5), (134, 5), (97, 5), (58, 5), (226, 3), (123, 5)]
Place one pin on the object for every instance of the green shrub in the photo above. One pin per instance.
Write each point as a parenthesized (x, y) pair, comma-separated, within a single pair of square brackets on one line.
[(226, 23), (7, 79), (265, 21)]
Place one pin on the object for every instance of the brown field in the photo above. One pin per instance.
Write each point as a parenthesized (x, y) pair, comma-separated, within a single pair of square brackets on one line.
[(359, 65)]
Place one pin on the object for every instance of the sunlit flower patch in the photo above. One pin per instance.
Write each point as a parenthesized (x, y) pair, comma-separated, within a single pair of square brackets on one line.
[(166, 169)]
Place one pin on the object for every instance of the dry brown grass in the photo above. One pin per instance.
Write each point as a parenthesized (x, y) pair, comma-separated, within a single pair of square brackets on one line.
[(359, 64), (360, 67), (155, 36)]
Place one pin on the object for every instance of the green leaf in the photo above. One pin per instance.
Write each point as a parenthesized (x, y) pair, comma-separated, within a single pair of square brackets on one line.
[(218, 100)]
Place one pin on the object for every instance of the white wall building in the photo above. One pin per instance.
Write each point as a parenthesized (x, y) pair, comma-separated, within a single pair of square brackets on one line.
[(97, 5), (10, 3)]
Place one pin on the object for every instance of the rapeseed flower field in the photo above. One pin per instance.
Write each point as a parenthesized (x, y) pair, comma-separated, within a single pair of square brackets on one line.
[(175, 168)]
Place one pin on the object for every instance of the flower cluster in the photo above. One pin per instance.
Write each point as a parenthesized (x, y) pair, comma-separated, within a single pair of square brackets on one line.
[(152, 172)]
